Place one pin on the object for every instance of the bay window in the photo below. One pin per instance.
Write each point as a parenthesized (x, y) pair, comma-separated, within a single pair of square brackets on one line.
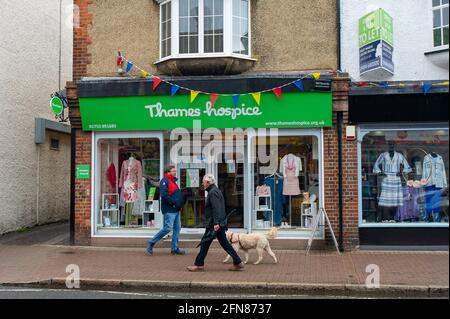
[(203, 28)]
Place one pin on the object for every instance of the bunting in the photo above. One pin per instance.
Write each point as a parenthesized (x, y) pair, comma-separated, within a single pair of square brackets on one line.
[(278, 91)]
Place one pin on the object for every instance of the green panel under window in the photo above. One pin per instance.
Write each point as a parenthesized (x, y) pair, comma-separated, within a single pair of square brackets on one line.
[(437, 38), (445, 35)]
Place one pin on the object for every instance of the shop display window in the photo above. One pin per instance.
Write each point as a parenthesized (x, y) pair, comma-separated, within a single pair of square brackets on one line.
[(404, 176), (129, 173), (288, 196)]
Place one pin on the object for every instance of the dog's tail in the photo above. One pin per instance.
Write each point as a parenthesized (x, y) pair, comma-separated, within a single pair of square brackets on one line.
[(273, 233)]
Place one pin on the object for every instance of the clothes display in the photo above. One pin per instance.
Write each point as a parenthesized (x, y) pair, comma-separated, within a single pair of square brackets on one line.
[(130, 179), (434, 170), (111, 177), (139, 205), (391, 186), (410, 210), (433, 203), (292, 161), (275, 184), (290, 167)]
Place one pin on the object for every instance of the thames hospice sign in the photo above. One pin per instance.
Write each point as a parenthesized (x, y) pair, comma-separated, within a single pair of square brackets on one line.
[(376, 43), (134, 113)]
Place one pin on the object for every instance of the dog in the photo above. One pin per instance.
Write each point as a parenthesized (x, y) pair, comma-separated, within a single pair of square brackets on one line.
[(260, 242)]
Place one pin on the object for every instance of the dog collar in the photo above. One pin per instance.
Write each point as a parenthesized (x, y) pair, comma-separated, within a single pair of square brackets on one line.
[(231, 240)]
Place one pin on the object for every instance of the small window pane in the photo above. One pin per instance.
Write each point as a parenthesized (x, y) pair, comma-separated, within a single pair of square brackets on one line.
[(218, 7), (445, 35), (193, 9), (209, 43), (445, 16), (193, 26), (169, 11), (218, 25), (208, 10), (244, 28), (184, 44), (184, 9), (169, 29), (218, 43), (236, 26), (245, 45), (444, 1), (163, 48), (436, 3), (237, 8), (437, 37), (193, 44), (436, 18), (184, 26), (244, 8), (208, 25), (169, 46), (236, 44)]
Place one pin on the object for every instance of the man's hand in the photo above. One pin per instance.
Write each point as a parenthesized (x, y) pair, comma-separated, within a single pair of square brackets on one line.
[(216, 227)]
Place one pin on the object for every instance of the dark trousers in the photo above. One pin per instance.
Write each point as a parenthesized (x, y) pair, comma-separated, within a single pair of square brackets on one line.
[(222, 238)]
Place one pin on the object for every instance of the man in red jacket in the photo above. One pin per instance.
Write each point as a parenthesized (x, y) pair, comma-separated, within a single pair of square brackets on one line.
[(172, 200)]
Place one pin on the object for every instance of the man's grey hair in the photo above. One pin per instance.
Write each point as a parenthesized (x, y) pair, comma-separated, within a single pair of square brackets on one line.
[(210, 179)]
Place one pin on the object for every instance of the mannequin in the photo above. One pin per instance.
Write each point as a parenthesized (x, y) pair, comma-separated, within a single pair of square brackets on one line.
[(130, 182), (390, 165), (436, 181)]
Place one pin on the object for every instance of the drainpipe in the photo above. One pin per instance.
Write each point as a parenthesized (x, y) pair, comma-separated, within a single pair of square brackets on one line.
[(339, 132), (72, 186), (340, 188)]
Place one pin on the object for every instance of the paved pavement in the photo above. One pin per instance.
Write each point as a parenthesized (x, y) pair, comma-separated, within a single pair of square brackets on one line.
[(323, 272)]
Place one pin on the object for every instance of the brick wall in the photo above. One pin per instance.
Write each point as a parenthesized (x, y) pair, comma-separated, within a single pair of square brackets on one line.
[(83, 141), (350, 172)]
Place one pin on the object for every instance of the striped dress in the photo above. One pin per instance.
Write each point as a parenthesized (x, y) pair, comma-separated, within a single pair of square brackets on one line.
[(391, 186)]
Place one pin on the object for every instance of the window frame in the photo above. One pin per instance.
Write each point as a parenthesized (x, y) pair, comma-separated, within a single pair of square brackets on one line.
[(365, 129), (440, 7), (227, 33)]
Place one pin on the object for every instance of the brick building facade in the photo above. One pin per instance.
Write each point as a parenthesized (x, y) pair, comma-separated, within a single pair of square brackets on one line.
[(85, 75)]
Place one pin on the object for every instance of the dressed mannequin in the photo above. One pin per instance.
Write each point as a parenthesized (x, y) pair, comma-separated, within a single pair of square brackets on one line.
[(435, 174), (130, 182), (390, 165)]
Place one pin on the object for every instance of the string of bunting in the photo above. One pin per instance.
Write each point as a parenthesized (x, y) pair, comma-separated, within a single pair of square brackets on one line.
[(278, 91), (425, 86)]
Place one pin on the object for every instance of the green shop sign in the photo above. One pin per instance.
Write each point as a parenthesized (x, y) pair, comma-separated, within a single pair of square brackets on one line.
[(57, 105), (302, 109), (83, 171)]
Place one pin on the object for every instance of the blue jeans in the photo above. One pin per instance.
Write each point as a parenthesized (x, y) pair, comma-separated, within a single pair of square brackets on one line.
[(172, 222)]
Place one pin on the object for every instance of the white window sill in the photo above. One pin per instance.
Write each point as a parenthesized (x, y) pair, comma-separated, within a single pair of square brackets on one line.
[(437, 50), (205, 56)]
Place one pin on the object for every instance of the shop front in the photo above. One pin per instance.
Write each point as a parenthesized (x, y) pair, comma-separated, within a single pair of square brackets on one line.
[(267, 156), (403, 155)]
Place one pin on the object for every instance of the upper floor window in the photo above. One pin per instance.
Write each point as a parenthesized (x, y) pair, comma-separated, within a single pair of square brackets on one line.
[(440, 22), (197, 28)]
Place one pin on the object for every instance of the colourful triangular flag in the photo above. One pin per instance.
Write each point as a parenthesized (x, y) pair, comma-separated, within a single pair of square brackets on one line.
[(214, 98), (278, 92), (316, 75), (235, 100), (144, 73), (156, 82), (385, 84), (427, 88), (299, 85), (402, 85), (174, 89), (362, 84), (129, 66), (443, 83), (257, 97), (119, 61), (194, 95)]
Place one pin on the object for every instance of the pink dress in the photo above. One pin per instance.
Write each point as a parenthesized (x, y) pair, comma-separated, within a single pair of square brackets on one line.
[(291, 185)]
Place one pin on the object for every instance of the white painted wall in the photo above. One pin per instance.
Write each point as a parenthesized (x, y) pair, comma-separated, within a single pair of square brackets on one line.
[(412, 38), (29, 73)]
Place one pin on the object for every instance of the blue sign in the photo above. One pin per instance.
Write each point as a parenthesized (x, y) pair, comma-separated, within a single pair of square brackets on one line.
[(376, 55)]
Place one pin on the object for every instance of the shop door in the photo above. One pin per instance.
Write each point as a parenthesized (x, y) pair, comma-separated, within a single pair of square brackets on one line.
[(190, 181), (230, 180)]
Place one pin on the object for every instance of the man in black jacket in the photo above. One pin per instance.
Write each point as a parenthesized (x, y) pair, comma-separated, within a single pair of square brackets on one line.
[(216, 223)]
